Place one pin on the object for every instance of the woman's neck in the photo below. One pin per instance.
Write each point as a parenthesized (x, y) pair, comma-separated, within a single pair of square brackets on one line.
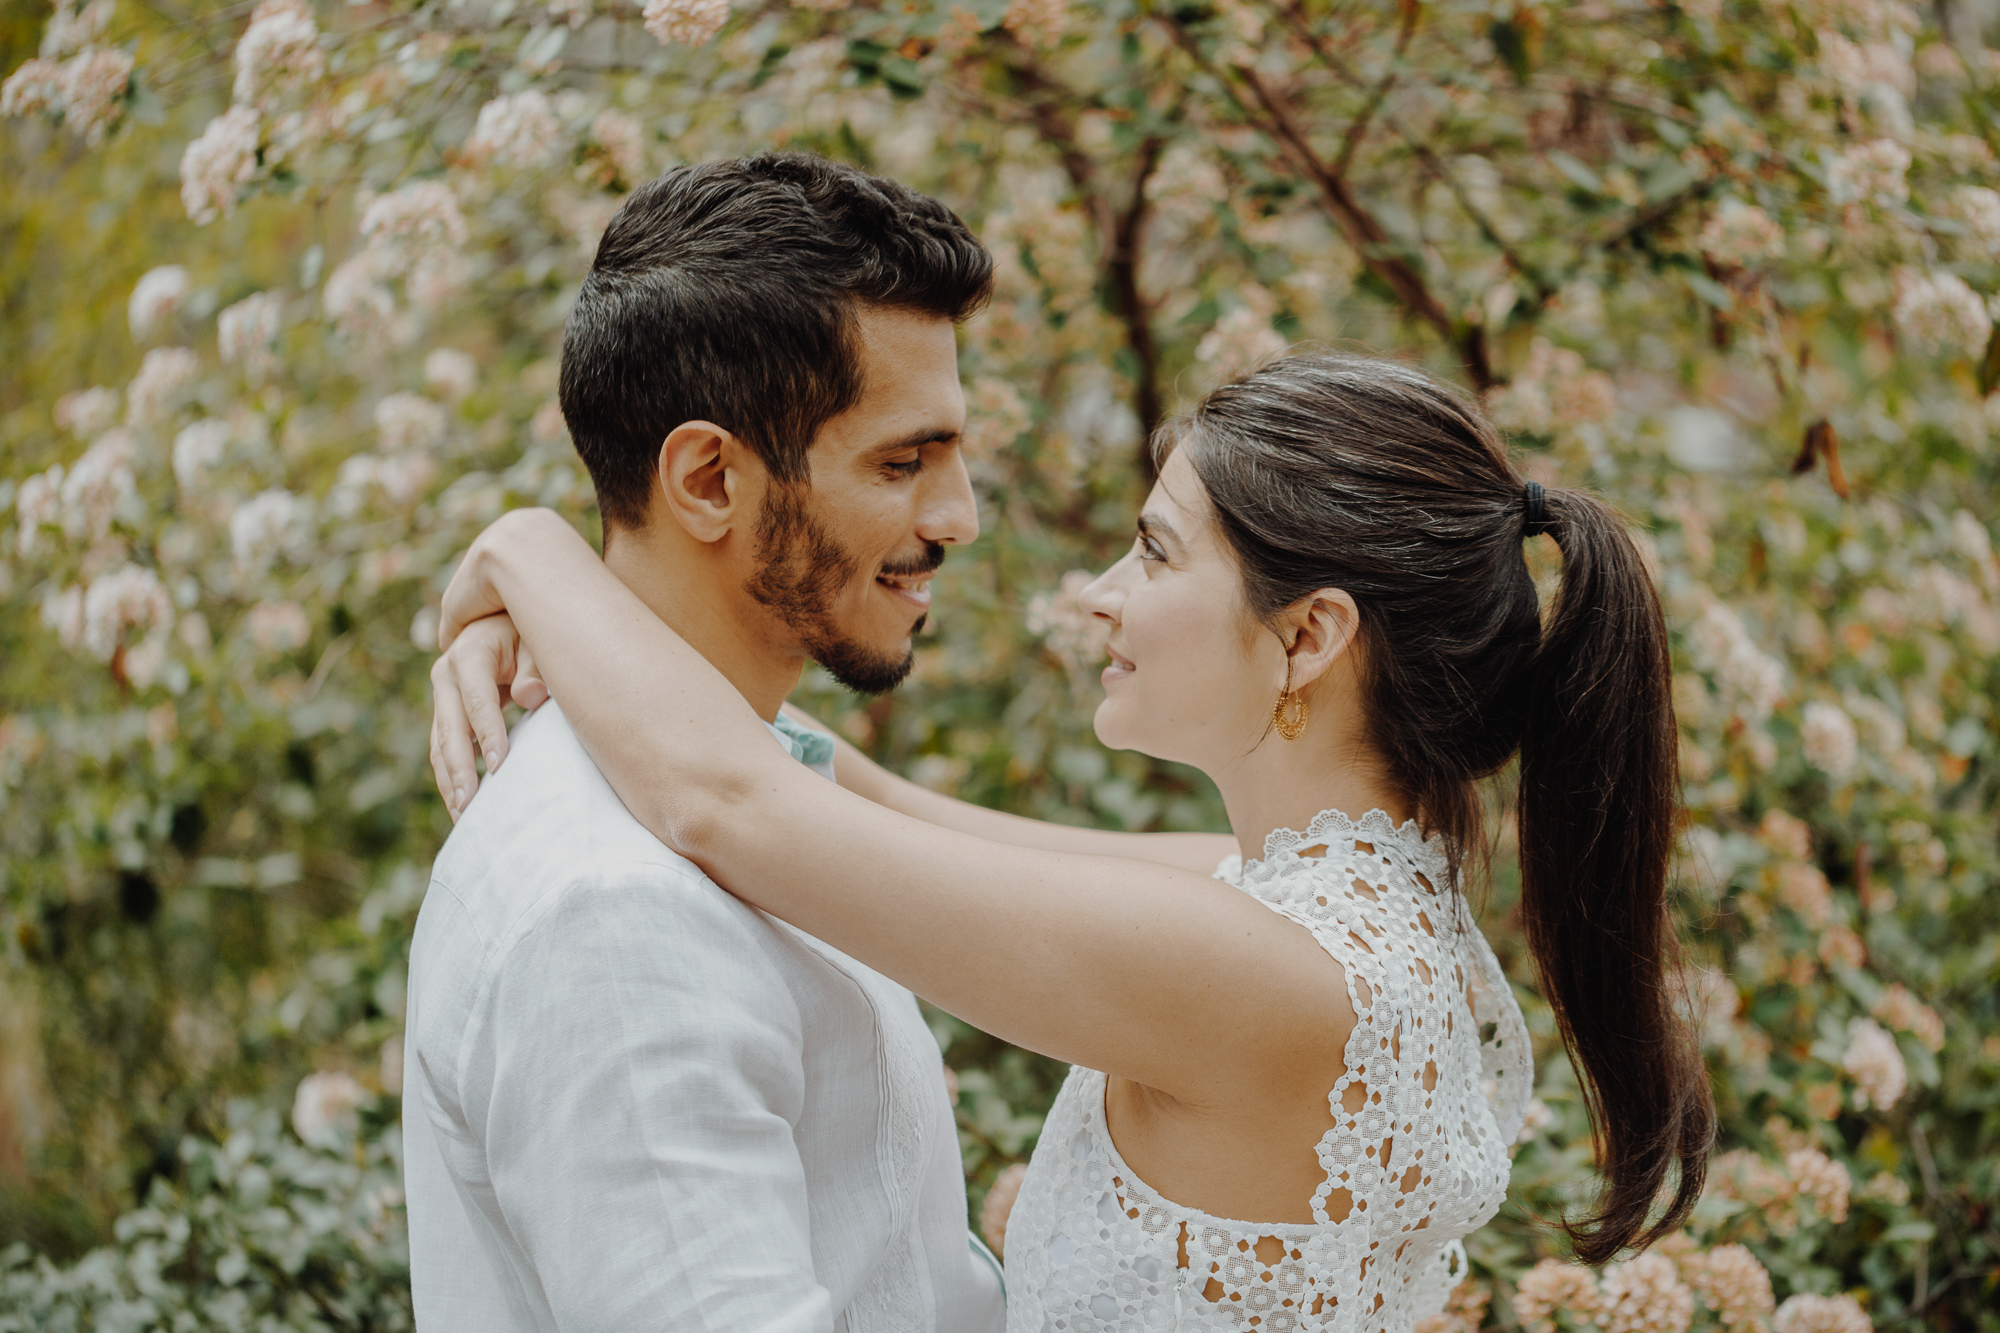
[(1283, 784)]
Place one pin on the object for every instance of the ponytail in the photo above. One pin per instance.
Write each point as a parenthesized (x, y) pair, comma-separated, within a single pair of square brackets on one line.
[(1598, 800)]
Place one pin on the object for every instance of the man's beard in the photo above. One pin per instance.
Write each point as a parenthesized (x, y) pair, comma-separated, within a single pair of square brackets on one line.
[(801, 569)]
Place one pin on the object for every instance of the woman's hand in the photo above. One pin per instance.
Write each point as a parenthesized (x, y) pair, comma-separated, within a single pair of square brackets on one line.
[(485, 668)]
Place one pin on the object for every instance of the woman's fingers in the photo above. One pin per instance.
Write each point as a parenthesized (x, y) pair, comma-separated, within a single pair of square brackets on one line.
[(467, 685), (483, 663), (528, 690), (451, 741)]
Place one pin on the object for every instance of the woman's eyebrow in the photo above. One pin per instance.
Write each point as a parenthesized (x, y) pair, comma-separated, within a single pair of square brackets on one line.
[(1156, 526)]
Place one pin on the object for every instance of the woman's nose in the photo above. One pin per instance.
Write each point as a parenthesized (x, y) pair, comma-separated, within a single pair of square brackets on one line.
[(1104, 595)]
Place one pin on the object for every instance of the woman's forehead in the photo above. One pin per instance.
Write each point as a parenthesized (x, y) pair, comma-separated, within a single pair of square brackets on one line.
[(1179, 496)]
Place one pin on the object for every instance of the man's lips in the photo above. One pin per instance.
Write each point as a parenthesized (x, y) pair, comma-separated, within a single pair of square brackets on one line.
[(912, 588)]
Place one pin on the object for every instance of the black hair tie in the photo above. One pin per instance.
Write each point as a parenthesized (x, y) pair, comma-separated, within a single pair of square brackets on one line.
[(1537, 521)]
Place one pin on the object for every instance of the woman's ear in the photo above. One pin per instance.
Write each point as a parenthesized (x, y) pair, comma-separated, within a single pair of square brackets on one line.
[(1324, 627), (702, 481)]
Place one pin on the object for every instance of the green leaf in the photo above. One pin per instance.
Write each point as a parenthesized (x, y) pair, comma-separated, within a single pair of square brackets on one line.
[(1582, 176), (1711, 291)]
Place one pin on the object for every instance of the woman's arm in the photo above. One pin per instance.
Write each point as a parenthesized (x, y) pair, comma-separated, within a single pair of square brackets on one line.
[(1199, 852), (487, 668), (1149, 972)]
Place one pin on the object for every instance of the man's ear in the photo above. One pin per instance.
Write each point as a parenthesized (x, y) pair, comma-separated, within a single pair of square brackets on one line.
[(707, 478), (1325, 627)]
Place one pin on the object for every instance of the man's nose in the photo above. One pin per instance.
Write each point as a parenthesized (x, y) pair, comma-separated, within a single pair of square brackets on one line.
[(949, 513)]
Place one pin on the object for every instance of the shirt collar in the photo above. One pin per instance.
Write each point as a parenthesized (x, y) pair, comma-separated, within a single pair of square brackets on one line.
[(812, 748)]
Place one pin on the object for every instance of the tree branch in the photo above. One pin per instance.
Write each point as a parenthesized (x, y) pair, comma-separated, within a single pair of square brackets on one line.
[(1122, 273), (1119, 230), (1369, 238), (1544, 290)]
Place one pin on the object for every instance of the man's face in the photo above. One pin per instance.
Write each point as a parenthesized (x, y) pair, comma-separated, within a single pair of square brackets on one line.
[(846, 560)]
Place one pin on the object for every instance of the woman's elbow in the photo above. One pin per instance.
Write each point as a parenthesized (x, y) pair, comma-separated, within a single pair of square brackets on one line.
[(700, 818)]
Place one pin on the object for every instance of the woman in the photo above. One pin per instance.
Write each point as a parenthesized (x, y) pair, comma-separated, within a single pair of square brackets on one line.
[(1327, 610)]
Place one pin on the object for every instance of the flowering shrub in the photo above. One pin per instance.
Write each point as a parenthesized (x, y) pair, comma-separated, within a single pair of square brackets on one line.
[(289, 311), (258, 1233)]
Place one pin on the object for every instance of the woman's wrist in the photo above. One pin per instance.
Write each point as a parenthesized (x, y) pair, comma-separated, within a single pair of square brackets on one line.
[(495, 575)]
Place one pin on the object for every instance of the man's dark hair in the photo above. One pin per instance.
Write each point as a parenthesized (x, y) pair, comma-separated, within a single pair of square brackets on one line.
[(728, 292)]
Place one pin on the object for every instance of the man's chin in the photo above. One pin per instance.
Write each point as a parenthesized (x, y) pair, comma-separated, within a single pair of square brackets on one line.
[(864, 669)]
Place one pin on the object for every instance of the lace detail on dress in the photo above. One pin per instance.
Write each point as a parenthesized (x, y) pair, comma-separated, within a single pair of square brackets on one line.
[(1417, 1158)]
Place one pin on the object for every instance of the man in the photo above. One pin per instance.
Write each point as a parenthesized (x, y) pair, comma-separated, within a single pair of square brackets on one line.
[(632, 1102)]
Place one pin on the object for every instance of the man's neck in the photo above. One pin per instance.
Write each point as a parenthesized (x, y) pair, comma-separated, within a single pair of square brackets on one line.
[(708, 610)]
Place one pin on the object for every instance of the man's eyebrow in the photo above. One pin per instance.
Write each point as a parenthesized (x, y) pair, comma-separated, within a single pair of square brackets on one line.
[(916, 439), (1156, 525)]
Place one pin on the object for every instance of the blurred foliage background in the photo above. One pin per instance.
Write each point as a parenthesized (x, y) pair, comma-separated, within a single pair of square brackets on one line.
[(281, 295)]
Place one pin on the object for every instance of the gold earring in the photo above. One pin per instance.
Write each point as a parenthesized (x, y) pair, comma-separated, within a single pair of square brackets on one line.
[(1290, 712)]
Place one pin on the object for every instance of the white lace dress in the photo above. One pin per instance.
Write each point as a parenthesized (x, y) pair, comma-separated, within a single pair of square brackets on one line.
[(1441, 1060)]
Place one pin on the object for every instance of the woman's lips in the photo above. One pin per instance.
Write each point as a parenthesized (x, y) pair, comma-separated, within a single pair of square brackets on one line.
[(1118, 670)]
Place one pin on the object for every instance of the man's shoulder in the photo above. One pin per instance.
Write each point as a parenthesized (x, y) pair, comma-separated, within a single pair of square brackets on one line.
[(549, 824)]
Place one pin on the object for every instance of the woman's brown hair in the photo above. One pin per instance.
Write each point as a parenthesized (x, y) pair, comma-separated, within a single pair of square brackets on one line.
[(1360, 473)]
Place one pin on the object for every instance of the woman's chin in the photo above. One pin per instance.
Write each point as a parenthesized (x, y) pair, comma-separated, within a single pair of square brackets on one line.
[(1115, 731), (1104, 722)]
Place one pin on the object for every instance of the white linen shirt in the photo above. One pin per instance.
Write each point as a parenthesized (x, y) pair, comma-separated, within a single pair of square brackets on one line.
[(633, 1103)]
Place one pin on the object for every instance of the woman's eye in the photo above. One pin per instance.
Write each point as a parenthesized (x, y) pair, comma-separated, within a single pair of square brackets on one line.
[(1150, 550)]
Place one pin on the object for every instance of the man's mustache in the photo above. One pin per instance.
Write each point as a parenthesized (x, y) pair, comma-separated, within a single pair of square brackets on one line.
[(932, 557)]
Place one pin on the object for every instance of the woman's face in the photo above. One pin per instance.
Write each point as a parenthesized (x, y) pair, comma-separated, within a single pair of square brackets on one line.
[(1190, 678)]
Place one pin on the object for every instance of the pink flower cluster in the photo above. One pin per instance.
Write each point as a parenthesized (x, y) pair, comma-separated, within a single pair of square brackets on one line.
[(155, 297), (1241, 341), (95, 618), (87, 412), (1874, 172), (685, 22), (326, 1109), (279, 51), (1655, 1292), (1037, 22), (1875, 1063), (1464, 1310), (87, 91), (1808, 1177), (1644, 1295), (1821, 1314), (265, 527), (163, 373), (198, 450), (247, 330), (1828, 739), (409, 422), (999, 1206), (1552, 1286), (1733, 1284), (1739, 235), (1554, 389), (1906, 1013), (517, 131), (1938, 312), (217, 164), (1072, 634)]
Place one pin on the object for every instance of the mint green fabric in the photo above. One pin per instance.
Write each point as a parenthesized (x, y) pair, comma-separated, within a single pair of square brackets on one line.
[(812, 748)]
